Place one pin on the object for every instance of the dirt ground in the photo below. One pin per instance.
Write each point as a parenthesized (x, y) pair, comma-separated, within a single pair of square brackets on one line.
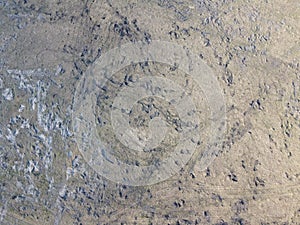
[(253, 49)]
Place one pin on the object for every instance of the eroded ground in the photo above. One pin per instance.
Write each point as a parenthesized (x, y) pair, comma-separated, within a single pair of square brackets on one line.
[(253, 49)]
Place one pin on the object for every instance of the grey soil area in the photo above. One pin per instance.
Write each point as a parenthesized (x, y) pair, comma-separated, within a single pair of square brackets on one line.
[(47, 52)]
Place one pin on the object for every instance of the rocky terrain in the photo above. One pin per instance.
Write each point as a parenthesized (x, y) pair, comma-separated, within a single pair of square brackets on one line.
[(253, 48)]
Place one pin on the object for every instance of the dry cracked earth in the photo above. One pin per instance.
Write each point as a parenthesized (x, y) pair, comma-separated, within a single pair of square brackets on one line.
[(253, 47)]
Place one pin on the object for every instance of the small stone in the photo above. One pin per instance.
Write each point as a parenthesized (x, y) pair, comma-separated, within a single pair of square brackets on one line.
[(8, 94), (21, 108)]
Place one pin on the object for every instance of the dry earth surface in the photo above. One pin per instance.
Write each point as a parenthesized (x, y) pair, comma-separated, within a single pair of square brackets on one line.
[(253, 47)]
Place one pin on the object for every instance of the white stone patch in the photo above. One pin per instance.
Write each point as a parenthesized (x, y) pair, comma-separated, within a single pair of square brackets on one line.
[(8, 94), (21, 108)]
